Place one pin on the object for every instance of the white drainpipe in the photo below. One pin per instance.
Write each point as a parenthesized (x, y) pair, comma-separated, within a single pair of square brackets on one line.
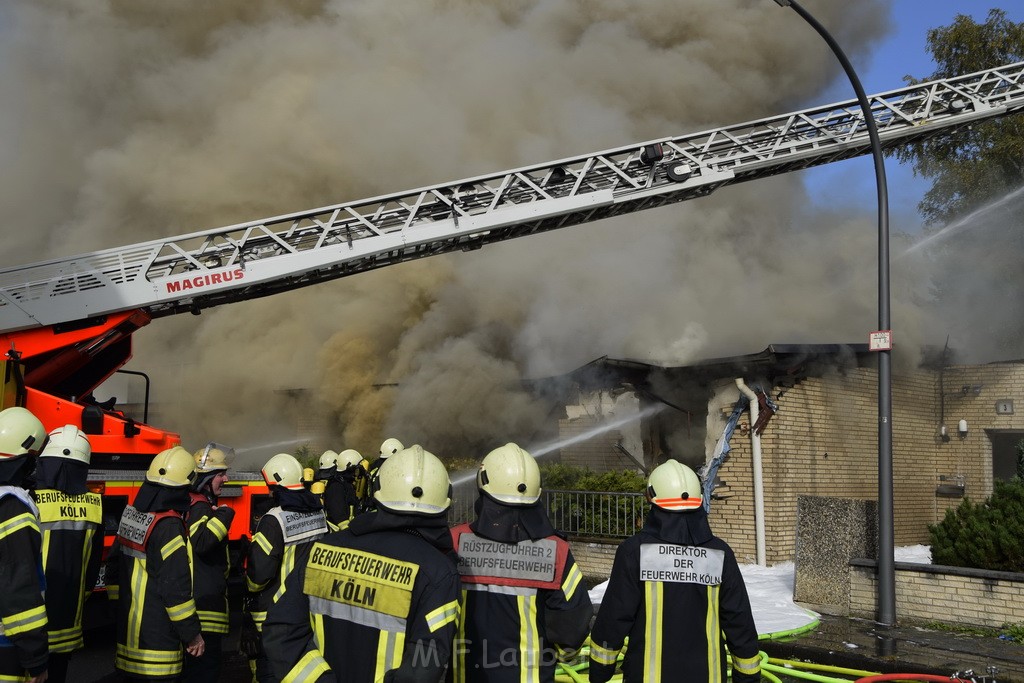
[(755, 449)]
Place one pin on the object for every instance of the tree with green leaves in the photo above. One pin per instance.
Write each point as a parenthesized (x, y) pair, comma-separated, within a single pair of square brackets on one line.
[(974, 166)]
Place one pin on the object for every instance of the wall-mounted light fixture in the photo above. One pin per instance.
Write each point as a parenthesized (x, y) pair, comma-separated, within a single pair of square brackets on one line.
[(961, 429), (943, 433)]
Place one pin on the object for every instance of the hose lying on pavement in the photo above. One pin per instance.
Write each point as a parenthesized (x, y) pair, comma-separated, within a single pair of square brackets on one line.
[(771, 668)]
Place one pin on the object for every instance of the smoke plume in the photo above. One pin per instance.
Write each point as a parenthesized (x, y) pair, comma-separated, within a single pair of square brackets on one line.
[(125, 121)]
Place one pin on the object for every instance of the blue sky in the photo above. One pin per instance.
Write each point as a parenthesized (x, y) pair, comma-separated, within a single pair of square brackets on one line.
[(852, 183)]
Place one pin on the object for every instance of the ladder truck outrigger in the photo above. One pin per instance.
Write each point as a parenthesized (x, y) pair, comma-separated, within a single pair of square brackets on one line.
[(66, 324)]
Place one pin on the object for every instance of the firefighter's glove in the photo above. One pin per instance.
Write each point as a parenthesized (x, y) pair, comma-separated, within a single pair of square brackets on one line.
[(249, 641)]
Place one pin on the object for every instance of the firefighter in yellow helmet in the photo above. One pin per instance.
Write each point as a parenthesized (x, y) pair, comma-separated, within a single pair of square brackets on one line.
[(281, 542), (71, 519), (23, 640), (377, 600), (340, 472), (523, 594), (208, 525), (390, 447), (148, 573), (677, 594)]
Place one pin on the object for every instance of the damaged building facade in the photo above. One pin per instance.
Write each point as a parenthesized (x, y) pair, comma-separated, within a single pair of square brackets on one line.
[(955, 430)]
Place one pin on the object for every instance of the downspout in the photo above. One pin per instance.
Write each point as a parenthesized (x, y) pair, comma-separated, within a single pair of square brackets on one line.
[(755, 450)]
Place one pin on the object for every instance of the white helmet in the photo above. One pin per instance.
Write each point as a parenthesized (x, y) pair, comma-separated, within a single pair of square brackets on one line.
[(674, 486), (283, 470), (413, 481), (68, 442), (174, 467), (328, 460), (21, 433), (510, 475), (389, 448), (347, 458)]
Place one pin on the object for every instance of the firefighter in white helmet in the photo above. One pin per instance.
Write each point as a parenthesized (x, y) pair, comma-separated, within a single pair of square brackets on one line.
[(536, 616), (281, 542), (208, 524), (23, 639), (340, 473), (71, 519), (388, 448), (677, 594), (148, 573), (377, 600)]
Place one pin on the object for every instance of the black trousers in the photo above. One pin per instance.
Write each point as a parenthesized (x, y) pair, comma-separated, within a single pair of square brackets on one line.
[(205, 669), (57, 667)]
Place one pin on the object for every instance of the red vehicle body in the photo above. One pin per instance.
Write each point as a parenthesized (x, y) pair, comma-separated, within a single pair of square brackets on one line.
[(52, 371)]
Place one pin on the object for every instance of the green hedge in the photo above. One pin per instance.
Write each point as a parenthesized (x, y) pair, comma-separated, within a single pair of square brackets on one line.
[(987, 535)]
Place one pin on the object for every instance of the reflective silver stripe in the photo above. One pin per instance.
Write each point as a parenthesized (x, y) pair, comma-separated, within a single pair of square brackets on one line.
[(218, 528), (444, 614), (66, 524), (501, 590), (357, 615), (132, 552)]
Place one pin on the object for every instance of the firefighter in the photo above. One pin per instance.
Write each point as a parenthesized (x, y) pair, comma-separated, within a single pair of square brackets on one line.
[(23, 641), (281, 542), (387, 449), (71, 519), (148, 574), (340, 473), (677, 594), (515, 622), (208, 526), (377, 600)]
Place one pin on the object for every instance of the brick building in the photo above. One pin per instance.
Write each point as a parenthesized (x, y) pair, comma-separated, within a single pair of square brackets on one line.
[(823, 441)]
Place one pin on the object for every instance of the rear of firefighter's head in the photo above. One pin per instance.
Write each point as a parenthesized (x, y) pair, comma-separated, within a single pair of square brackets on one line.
[(284, 470), (21, 433), (413, 481), (173, 468), (674, 487), (509, 475)]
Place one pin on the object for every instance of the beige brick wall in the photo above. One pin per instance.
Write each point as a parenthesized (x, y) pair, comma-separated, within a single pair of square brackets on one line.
[(824, 442), (595, 559), (953, 598)]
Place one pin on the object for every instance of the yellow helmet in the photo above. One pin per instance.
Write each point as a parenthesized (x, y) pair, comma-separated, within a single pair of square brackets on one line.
[(674, 486), (21, 433), (413, 481), (347, 458), (510, 475), (283, 470), (211, 458), (328, 460), (68, 442), (174, 467), (389, 448)]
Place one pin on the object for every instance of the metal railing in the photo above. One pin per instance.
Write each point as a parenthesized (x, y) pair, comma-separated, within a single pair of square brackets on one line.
[(591, 514)]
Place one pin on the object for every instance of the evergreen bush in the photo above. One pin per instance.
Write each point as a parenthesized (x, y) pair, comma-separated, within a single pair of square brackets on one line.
[(987, 535)]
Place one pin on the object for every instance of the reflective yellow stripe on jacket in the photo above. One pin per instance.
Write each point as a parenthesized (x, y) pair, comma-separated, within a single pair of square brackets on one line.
[(30, 619), (311, 667), (22, 521), (139, 662)]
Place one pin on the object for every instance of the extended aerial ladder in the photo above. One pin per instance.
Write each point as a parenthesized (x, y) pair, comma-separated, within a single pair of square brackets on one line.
[(68, 321)]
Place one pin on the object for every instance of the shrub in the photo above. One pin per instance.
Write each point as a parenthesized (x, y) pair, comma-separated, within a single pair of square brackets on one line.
[(988, 535)]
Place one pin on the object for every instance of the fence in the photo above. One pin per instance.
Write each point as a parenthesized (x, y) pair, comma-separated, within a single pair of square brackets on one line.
[(591, 514)]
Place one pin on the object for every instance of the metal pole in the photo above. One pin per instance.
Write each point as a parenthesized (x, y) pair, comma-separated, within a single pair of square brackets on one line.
[(886, 612)]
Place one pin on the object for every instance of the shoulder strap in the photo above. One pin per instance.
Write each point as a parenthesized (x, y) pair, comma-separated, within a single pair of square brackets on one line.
[(22, 495)]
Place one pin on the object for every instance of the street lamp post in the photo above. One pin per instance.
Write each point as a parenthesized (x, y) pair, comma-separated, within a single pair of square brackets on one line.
[(886, 610)]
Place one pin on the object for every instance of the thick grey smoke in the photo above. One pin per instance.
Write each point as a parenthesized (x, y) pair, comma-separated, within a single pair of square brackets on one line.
[(128, 120)]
